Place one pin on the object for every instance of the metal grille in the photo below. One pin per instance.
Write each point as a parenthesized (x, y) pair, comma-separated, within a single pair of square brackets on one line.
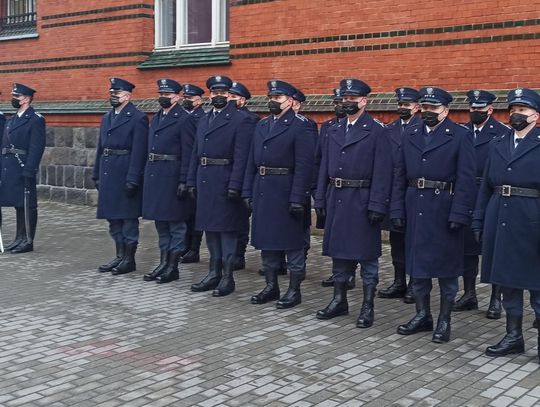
[(18, 16)]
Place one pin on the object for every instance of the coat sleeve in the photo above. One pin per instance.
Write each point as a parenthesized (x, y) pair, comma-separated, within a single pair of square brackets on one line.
[(381, 182), (193, 164), (189, 128), (304, 157), (99, 153), (139, 151), (465, 184), (484, 194), (251, 171), (322, 170), (399, 185), (242, 144), (36, 147)]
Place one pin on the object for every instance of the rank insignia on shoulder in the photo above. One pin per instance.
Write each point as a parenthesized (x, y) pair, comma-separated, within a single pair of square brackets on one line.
[(303, 118), (379, 122)]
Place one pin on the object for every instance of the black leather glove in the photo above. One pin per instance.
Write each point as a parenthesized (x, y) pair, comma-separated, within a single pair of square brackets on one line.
[(96, 184), (131, 189), (248, 204), (233, 194), (28, 182), (296, 209), (455, 226), (181, 191), (478, 235), (398, 224), (192, 191), (375, 218), (320, 212)]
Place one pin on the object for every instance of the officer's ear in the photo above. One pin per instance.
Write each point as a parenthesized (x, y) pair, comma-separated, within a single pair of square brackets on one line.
[(490, 110)]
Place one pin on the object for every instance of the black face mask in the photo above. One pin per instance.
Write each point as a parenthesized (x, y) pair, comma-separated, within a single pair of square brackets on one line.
[(519, 121), (351, 107), (219, 102), (188, 104), (340, 112), (115, 101), (404, 113), (16, 103), (478, 117), (164, 102), (431, 118), (275, 107)]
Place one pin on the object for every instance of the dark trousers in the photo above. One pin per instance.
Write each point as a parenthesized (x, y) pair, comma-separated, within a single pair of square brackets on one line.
[(296, 263), (448, 286), (243, 240), (124, 230), (513, 301), (222, 245), (171, 235), (343, 270), (192, 235), (470, 263), (397, 249)]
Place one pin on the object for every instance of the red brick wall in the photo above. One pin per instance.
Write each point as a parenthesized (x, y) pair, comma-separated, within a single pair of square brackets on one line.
[(492, 65)]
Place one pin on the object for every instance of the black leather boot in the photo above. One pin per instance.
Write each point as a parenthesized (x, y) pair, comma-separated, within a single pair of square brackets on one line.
[(468, 300), (170, 273), (398, 287), (127, 264), (20, 230), (120, 250), (367, 312), (27, 245), (270, 292), (338, 306), (409, 294), (193, 254), (293, 296), (422, 321), (211, 280), (159, 269), (226, 284), (240, 259), (495, 304), (282, 271), (329, 282), (537, 321), (513, 340), (442, 331)]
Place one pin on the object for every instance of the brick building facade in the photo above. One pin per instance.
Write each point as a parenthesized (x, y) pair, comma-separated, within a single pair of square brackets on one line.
[(67, 51)]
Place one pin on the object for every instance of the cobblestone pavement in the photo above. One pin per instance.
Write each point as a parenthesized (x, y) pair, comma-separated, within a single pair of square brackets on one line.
[(70, 336)]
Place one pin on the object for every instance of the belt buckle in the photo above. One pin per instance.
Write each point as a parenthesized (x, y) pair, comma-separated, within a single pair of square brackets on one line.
[(506, 190), (106, 152), (204, 161), (262, 170), (151, 157), (421, 183), (338, 182)]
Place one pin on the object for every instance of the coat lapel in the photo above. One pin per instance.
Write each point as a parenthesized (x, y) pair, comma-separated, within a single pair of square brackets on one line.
[(124, 116), (505, 146), (529, 142), (20, 121), (281, 125), (416, 137), (359, 130), (221, 119), (337, 132), (441, 135), (170, 118)]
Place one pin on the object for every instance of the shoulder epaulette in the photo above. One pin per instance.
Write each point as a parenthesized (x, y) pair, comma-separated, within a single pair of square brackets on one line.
[(303, 118), (379, 122)]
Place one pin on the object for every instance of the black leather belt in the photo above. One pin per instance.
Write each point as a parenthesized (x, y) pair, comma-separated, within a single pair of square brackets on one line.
[(263, 170), (422, 183), (13, 151), (479, 180), (509, 190), (111, 151), (350, 183), (204, 161), (163, 157)]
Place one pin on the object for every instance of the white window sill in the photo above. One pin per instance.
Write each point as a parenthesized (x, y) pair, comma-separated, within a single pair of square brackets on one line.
[(8, 37)]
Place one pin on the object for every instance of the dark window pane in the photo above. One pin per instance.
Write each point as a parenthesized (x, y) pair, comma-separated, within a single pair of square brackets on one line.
[(168, 23), (199, 20)]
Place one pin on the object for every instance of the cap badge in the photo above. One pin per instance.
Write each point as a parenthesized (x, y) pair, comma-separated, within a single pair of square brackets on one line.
[(519, 92), (429, 91)]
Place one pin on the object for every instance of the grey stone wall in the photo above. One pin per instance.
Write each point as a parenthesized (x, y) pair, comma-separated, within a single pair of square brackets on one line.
[(65, 174)]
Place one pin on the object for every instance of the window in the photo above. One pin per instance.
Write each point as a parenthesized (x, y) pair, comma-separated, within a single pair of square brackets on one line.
[(17, 17), (191, 23)]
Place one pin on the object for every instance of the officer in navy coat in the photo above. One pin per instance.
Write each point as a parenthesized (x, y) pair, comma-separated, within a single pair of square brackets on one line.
[(484, 128), (277, 188), (22, 147), (165, 197), (240, 94), (118, 173), (215, 179), (508, 212), (353, 193), (192, 104), (434, 193)]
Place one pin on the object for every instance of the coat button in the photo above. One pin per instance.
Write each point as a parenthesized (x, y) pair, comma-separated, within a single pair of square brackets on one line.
[(509, 169), (505, 205), (340, 168), (343, 152), (420, 213), (421, 195), (503, 224), (265, 147), (423, 159)]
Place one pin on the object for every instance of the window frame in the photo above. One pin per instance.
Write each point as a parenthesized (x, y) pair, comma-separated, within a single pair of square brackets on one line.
[(219, 26)]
